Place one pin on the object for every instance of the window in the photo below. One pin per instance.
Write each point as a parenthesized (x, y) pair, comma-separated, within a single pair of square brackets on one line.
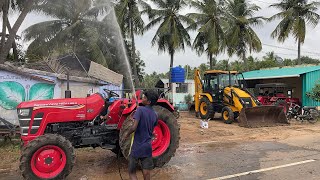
[(182, 88)]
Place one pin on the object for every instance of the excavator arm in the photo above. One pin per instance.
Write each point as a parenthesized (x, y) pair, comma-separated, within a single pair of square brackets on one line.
[(198, 87)]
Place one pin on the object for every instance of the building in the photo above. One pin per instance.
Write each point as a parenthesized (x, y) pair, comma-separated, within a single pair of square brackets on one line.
[(48, 80), (301, 79), (180, 91)]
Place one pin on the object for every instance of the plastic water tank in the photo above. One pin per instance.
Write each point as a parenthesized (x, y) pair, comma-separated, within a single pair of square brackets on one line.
[(177, 75)]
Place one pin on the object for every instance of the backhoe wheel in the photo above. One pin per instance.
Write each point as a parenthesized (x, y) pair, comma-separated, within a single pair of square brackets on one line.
[(166, 137), (206, 108), (284, 104), (49, 156), (227, 115)]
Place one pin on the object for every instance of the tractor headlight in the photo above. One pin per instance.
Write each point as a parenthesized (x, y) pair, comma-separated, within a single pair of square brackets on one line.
[(24, 112)]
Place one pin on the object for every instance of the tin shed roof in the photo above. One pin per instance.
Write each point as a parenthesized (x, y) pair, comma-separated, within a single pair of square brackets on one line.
[(279, 72)]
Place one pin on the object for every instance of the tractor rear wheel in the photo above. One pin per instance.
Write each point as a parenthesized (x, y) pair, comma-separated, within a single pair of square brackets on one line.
[(49, 156), (166, 137), (227, 115), (206, 108)]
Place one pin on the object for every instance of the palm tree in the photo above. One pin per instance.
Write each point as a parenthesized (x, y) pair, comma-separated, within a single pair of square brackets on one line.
[(7, 42), (74, 28), (131, 23), (171, 35), (240, 35), (294, 15), (210, 34)]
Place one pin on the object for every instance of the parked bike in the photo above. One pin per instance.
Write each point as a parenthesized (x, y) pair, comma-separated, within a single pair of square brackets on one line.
[(307, 113)]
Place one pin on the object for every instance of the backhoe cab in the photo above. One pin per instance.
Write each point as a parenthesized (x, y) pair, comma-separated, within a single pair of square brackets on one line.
[(225, 92)]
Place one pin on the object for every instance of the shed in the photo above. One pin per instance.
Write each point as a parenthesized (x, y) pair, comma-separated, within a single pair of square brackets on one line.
[(302, 79)]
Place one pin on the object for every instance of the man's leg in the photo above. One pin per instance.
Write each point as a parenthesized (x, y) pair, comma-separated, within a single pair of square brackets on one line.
[(132, 168), (147, 166), (146, 174)]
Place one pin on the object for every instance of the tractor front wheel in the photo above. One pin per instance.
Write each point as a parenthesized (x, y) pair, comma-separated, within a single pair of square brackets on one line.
[(49, 156)]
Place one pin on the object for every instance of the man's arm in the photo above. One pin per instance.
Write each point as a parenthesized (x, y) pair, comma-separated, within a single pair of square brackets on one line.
[(132, 129)]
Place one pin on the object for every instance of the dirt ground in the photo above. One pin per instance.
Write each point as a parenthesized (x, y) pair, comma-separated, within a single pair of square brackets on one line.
[(98, 163)]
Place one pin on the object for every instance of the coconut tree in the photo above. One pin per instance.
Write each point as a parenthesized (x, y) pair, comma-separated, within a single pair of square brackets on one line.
[(210, 37), (131, 23), (294, 15), (171, 35), (73, 27), (241, 38), (7, 41)]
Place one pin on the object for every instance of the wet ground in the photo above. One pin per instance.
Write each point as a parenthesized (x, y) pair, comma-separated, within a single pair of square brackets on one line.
[(211, 160), (222, 152)]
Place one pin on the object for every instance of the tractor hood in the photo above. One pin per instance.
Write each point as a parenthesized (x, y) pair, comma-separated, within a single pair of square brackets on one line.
[(62, 103)]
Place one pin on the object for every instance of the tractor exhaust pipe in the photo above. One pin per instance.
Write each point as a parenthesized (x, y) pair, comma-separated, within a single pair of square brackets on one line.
[(67, 92)]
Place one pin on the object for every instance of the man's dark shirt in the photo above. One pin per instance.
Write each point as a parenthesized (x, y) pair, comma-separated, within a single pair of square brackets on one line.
[(147, 118)]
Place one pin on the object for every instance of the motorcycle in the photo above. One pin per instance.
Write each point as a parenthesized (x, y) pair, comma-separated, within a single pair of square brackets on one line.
[(306, 113)]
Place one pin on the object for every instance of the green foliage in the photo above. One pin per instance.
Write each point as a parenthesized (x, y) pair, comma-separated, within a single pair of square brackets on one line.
[(172, 35), (188, 98), (211, 35), (150, 81), (315, 92), (294, 15), (74, 28), (240, 36)]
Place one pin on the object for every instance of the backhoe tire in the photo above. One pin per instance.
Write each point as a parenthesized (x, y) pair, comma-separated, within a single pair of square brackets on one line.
[(206, 108), (167, 123), (284, 104), (50, 156), (227, 115)]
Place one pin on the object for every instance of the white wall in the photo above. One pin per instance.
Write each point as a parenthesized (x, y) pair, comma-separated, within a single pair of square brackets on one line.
[(15, 88)]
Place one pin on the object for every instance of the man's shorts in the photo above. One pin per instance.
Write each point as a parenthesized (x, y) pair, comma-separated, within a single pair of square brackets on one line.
[(146, 163)]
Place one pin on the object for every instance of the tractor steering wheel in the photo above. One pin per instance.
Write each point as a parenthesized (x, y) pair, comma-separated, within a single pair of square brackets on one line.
[(111, 93)]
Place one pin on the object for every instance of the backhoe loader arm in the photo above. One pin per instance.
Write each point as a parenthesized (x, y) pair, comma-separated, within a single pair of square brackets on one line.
[(198, 89)]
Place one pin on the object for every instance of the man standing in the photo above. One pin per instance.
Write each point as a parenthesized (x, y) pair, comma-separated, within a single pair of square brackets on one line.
[(145, 119)]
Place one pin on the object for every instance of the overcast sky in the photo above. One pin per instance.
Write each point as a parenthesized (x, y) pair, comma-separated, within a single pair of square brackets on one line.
[(159, 62)]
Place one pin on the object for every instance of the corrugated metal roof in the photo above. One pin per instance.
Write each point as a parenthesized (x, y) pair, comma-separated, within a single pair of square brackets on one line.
[(279, 72)]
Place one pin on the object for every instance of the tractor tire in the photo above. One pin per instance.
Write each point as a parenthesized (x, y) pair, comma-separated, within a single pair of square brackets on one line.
[(227, 115), (284, 104), (33, 167), (166, 148), (206, 108)]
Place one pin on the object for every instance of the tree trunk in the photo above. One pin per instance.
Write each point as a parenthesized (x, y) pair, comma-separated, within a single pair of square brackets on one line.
[(299, 51), (5, 9), (14, 45), (246, 67), (133, 56), (171, 66), (210, 59), (6, 48)]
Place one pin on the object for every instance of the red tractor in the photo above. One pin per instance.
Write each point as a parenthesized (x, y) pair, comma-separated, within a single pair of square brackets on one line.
[(51, 129), (278, 94)]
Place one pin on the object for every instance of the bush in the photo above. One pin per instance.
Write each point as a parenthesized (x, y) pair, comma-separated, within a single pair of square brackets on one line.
[(315, 93), (188, 98)]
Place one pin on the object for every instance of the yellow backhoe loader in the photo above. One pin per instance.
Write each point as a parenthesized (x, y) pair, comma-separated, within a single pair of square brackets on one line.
[(225, 92)]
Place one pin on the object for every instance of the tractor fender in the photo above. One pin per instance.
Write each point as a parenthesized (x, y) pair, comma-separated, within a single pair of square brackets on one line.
[(206, 95), (164, 103)]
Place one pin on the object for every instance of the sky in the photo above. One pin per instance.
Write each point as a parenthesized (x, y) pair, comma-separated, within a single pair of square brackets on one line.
[(159, 61)]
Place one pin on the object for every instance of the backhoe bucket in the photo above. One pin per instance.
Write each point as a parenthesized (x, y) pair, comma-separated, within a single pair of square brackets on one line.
[(262, 116)]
